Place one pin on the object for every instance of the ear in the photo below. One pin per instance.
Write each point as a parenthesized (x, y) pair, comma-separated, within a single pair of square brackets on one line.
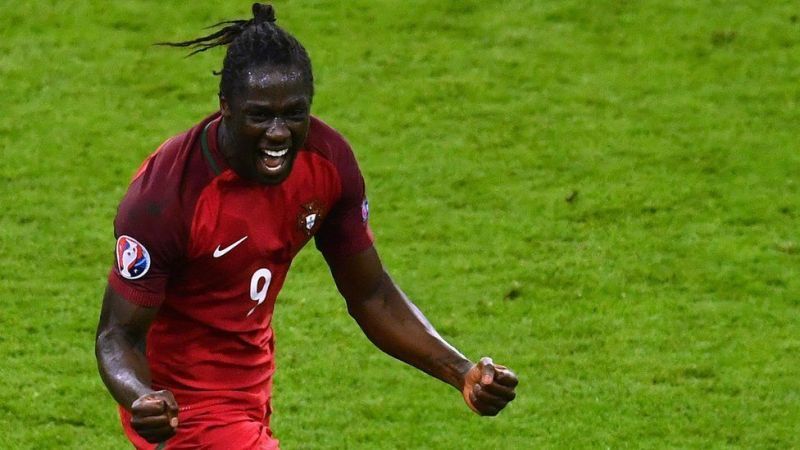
[(224, 107)]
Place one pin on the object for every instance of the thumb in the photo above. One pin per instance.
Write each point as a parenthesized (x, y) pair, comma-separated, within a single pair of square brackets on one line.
[(171, 408), (486, 366), (170, 403)]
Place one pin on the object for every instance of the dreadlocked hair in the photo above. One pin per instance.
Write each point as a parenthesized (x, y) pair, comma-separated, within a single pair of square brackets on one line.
[(253, 42)]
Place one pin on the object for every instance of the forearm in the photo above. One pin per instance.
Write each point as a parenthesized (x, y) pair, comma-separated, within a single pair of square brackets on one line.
[(123, 367), (398, 327)]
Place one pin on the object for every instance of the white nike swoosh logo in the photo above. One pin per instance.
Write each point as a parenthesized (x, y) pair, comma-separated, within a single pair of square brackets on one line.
[(220, 252)]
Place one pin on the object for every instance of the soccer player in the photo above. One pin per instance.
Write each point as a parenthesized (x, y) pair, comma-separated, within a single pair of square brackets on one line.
[(205, 235)]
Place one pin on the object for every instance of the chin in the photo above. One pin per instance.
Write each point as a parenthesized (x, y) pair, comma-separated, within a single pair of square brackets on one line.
[(271, 177)]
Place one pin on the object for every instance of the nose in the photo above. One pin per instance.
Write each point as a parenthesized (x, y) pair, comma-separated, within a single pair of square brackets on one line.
[(277, 131)]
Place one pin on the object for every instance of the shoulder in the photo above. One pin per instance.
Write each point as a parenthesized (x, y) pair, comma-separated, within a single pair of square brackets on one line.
[(173, 154), (345, 230), (164, 182), (325, 140)]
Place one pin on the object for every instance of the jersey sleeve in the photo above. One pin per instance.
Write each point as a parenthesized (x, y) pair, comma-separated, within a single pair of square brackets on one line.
[(346, 229), (149, 237)]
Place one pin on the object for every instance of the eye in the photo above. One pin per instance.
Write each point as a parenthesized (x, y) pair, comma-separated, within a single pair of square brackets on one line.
[(298, 114), (258, 116)]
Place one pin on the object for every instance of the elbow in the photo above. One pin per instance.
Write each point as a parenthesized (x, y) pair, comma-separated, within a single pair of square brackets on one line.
[(102, 351), (100, 340), (356, 309), (103, 345), (359, 306), (110, 343)]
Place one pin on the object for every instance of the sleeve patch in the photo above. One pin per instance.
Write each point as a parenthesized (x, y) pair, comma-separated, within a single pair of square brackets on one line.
[(364, 211), (133, 259)]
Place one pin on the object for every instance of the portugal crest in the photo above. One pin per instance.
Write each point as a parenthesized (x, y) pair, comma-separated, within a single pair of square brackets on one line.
[(310, 217)]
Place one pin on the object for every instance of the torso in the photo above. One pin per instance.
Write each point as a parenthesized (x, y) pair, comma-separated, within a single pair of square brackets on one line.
[(220, 250)]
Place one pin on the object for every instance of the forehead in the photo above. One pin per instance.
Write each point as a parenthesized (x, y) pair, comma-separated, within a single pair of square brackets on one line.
[(273, 85)]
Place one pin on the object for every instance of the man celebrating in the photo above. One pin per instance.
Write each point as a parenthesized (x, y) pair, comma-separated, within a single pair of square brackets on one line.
[(205, 236)]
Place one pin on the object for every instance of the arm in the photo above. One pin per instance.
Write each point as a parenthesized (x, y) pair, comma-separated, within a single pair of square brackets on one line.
[(124, 369), (397, 327)]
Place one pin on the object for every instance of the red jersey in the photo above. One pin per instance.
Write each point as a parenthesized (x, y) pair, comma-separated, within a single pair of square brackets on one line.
[(212, 250)]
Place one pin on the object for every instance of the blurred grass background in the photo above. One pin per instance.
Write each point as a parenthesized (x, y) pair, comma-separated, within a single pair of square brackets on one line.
[(603, 196)]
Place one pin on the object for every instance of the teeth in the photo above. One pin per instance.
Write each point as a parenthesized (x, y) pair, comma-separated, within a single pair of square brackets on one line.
[(275, 153)]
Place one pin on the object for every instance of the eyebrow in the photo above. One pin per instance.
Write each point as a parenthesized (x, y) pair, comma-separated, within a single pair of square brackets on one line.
[(291, 103)]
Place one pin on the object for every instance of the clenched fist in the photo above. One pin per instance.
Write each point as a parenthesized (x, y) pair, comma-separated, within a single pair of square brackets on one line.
[(489, 387), (155, 416)]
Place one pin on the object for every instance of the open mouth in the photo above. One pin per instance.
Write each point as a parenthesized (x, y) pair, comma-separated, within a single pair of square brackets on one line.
[(272, 161)]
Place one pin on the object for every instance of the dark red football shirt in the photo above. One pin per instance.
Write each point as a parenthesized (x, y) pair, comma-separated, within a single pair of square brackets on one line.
[(211, 250)]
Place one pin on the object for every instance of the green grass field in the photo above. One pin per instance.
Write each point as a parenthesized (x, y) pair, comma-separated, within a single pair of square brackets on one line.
[(602, 195)]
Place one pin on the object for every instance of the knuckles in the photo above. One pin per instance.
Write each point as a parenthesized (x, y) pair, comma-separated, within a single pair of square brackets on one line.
[(491, 405), (491, 398), (151, 416)]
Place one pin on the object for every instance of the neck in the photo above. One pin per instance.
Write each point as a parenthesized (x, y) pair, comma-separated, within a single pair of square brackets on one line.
[(222, 140)]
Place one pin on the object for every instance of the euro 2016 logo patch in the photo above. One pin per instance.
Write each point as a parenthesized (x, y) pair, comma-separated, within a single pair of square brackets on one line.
[(132, 258)]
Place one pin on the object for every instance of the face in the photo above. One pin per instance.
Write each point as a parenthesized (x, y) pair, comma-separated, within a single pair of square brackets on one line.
[(265, 123)]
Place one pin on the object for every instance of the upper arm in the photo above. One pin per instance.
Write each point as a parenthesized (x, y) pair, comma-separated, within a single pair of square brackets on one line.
[(120, 315), (359, 276), (345, 231), (151, 229)]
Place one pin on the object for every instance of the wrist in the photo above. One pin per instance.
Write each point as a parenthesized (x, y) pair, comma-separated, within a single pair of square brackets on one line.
[(137, 394), (461, 368), (452, 369)]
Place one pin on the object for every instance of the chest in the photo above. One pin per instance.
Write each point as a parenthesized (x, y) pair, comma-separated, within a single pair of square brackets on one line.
[(243, 237), (244, 221), (253, 226)]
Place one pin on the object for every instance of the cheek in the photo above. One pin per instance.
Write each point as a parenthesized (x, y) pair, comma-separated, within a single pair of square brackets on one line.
[(249, 131), (300, 132)]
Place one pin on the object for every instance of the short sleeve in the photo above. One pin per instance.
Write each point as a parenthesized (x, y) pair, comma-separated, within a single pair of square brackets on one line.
[(346, 229), (149, 238)]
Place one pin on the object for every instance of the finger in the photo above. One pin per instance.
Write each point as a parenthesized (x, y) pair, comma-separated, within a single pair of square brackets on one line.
[(473, 398), (148, 407), (488, 399), (160, 432), (151, 422), (490, 411), (487, 370), (156, 436), (171, 408), (484, 408), (498, 390), (170, 402), (506, 377)]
